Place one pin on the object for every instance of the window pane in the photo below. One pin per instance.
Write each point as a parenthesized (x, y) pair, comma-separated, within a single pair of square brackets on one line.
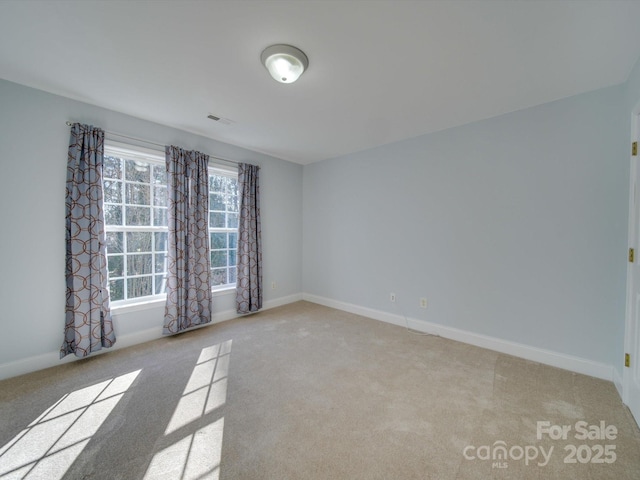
[(216, 183), (115, 265), (161, 262), (139, 264), (112, 191), (232, 257), (216, 220), (219, 259), (218, 240), (216, 202), (159, 175), (232, 275), (233, 240), (138, 194), (139, 287), (116, 290), (232, 187), (138, 242), (160, 218), (218, 276), (112, 167), (114, 242), (232, 203), (112, 214), (232, 220), (161, 284), (137, 171), (138, 215), (161, 241), (160, 196)]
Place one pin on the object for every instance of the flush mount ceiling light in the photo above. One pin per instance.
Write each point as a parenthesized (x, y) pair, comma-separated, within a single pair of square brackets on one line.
[(284, 62)]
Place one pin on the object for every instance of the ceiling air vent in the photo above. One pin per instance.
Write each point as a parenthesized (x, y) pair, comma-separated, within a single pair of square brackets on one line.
[(223, 121)]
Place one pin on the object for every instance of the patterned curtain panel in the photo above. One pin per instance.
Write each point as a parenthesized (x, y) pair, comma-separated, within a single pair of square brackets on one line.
[(249, 280), (88, 325), (189, 301)]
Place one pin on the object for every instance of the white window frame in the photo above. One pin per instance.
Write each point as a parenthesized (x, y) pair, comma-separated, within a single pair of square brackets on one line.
[(157, 157)]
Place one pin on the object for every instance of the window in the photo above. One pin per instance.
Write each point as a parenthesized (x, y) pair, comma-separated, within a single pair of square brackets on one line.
[(223, 226), (135, 209)]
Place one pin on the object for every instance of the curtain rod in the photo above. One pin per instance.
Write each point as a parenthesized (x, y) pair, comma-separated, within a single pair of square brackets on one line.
[(114, 134)]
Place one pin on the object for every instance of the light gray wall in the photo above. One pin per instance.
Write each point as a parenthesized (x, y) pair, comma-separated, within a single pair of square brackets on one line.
[(33, 150), (633, 90), (513, 227)]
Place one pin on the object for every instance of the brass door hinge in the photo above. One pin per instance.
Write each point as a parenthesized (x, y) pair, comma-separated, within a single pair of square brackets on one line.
[(631, 255), (627, 360), (634, 149)]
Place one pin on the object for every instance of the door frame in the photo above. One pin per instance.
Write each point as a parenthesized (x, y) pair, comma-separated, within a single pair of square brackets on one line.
[(633, 242)]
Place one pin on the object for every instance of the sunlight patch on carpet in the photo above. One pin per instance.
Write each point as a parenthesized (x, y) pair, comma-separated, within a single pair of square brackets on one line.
[(206, 389), (52, 442), (196, 456)]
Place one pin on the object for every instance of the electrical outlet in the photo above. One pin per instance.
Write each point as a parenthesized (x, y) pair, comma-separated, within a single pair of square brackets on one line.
[(423, 302), (392, 297), (274, 285)]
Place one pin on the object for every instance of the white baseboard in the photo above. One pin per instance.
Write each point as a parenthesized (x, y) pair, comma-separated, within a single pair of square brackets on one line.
[(278, 302), (547, 357), (52, 359)]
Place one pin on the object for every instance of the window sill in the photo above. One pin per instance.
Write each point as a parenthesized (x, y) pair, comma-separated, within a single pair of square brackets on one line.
[(223, 291), (160, 302)]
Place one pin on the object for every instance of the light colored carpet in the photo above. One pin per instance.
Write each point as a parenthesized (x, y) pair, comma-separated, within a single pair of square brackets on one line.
[(308, 392)]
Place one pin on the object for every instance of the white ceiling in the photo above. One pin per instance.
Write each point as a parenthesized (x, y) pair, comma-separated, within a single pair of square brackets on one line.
[(379, 71)]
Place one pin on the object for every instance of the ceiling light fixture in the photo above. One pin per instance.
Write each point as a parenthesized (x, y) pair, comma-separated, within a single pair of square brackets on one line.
[(284, 62)]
